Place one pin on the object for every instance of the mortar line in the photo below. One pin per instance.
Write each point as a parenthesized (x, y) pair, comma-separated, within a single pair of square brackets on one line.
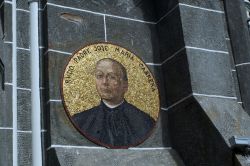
[(207, 50), (57, 51), (105, 28), (242, 64), (23, 10), (201, 8), (215, 96)]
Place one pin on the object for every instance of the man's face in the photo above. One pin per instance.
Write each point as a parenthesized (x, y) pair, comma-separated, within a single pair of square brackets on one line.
[(109, 82)]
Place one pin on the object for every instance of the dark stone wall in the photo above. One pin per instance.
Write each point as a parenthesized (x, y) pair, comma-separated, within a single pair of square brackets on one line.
[(240, 39)]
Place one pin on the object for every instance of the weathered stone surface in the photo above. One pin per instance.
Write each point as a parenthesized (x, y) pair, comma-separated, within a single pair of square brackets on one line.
[(236, 86), (6, 106), (6, 58), (203, 29), (207, 74), (170, 34), (109, 157), (129, 34), (7, 22), (196, 138), (6, 147), (79, 28), (238, 30), (243, 75), (24, 110), (23, 69), (177, 78), (56, 65), (24, 149), (136, 9), (23, 39)]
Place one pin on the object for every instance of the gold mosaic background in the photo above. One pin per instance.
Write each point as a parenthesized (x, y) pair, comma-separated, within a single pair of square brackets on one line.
[(78, 84)]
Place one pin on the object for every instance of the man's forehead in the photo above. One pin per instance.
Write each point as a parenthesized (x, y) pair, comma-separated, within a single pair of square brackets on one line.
[(107, 65)]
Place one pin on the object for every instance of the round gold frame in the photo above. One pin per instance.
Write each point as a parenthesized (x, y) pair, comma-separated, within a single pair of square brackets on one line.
[(78, 82)]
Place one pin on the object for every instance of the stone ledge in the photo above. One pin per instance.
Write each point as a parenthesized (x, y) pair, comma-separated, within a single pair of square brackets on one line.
[(113, 157)]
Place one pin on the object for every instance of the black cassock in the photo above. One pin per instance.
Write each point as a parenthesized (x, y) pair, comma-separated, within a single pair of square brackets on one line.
[(122, 126)]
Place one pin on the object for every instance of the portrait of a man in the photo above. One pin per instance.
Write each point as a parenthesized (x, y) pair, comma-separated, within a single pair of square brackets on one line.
[(114, 122)]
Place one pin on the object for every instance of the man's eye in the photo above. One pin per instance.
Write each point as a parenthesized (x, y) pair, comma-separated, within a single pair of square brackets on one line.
[(98, 76), (112, 77)]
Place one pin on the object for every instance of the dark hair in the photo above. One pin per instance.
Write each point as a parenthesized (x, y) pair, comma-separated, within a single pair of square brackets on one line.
[(123, 69)]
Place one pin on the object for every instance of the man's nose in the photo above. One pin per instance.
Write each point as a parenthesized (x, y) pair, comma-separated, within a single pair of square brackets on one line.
[(105, 80)]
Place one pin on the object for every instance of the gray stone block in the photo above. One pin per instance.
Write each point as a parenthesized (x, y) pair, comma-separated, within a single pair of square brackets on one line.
[(23, 40), (23, 69), (6, 147), (238, 30), (6, 106), (22, 5), (79, 28), (232, 62), (7, 22), (135, 9), (140, 38), (207, 74), (203, 29), (24, 146), (177, 78), (236, 86), (6, 58), (24, 110), (109, 157), (62, 132), (56, 65), (243, 75), (170, 34)]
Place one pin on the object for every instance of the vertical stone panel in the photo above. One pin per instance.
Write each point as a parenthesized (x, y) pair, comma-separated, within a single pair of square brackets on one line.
[(24, 149), (23, 69), (23, 29), (210, 73), (203, 29), (6, 147), (6, 106), (24, 110)]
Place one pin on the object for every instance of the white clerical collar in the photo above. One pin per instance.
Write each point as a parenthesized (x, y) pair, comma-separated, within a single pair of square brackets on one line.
[(112, 106)]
